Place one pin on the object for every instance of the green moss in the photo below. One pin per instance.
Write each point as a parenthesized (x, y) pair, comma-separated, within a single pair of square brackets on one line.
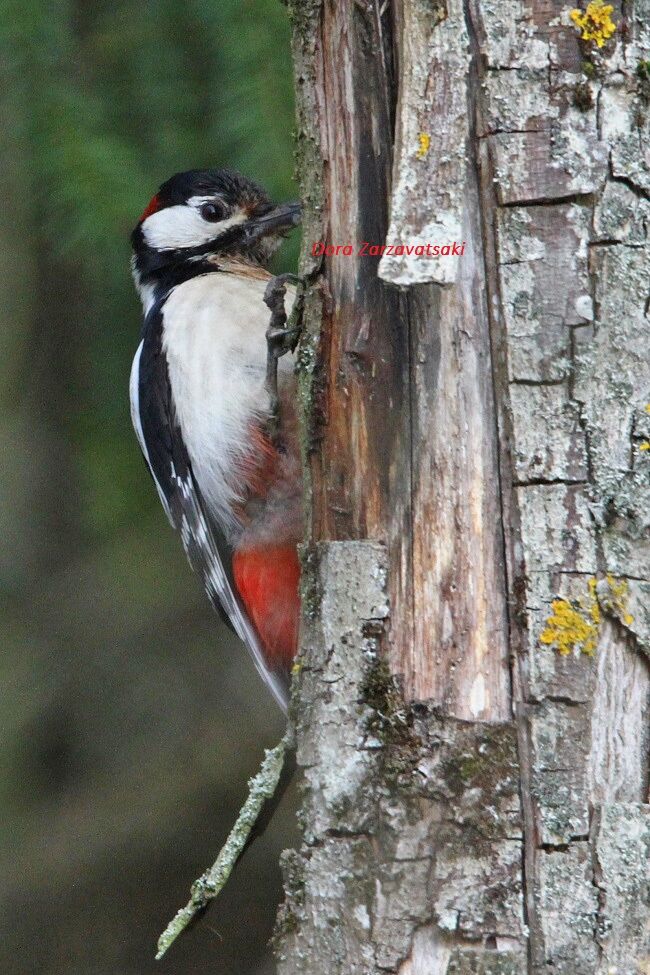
[(286, 922), (490, 765), (293, 872), (288, 918), (582, 97), (643, 79), (476, 776), (390, 719), (304, 16), (311, 382), (310, 590), (483, 962)]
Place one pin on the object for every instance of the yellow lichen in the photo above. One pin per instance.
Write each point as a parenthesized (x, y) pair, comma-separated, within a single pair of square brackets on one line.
[(424, 144), (616, 602), (593, 605), (596, 23), (573, 627), (569, 629)]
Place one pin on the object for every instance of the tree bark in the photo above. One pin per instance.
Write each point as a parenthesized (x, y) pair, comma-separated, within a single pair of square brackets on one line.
[(472, 697)]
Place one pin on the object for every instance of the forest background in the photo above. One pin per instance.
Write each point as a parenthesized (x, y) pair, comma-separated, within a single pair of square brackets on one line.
[(130, 719)]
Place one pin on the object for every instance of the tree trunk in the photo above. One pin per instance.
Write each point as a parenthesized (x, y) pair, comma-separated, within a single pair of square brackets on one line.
[(472, 696)]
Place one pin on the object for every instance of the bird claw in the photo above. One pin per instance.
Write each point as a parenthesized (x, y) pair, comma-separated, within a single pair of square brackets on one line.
[(279, 341), (281, 336)]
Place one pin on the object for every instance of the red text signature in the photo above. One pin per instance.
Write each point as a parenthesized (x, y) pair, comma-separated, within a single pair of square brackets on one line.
[(366, 249)]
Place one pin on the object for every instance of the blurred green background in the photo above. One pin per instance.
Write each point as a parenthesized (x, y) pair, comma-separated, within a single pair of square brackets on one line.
[(130, 719)]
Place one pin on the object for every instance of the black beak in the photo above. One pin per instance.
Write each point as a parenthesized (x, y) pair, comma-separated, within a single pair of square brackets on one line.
[(279, 219)]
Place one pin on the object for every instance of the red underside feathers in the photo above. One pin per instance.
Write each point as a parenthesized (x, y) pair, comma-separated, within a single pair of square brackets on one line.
[(267, 579)]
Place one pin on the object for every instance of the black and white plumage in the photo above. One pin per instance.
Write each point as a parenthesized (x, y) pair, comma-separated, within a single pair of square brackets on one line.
[(198, 395)]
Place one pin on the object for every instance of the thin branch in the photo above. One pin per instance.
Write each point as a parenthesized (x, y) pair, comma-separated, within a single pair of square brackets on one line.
[(260, 788)]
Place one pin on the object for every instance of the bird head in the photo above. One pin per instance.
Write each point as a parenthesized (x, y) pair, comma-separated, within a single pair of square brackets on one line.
[(204, 213)]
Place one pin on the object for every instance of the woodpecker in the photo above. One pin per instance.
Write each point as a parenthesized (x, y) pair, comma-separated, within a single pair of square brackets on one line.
[(213, 409)]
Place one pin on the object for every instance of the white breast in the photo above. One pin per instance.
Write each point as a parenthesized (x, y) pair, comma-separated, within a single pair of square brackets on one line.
[(214, 339)]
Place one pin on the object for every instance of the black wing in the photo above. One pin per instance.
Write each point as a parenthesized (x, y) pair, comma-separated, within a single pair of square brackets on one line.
[(161, 442)]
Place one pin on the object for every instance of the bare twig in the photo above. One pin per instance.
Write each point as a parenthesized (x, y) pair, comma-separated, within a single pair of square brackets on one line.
[(260, 788)]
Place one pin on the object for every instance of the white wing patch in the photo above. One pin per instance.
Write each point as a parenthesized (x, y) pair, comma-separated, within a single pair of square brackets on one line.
[(134, 395)]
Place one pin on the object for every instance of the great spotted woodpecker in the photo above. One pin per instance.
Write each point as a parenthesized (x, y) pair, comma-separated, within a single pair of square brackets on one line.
[(214, 414)]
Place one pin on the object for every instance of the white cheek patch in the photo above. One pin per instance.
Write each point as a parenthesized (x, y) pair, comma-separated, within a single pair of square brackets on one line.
[(183, 226)]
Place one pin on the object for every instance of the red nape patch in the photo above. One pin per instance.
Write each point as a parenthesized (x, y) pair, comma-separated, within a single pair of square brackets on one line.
[(153, 207), (267, 580)]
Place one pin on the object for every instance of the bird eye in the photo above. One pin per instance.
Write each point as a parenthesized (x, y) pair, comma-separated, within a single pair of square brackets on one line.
[(213, 211)]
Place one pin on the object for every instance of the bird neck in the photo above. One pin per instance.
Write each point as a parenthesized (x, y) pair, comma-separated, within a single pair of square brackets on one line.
[(156, 272), (154, 278)]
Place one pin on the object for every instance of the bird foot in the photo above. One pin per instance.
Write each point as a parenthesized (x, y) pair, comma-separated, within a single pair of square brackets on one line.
[(281, 337), (283, 334)]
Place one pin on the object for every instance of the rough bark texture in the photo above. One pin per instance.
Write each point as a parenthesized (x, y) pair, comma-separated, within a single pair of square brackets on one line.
[(474, 689)]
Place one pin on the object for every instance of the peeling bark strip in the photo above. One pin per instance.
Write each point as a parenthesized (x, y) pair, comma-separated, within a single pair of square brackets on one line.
[(406, 451), (477, 466), (428, 198)]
